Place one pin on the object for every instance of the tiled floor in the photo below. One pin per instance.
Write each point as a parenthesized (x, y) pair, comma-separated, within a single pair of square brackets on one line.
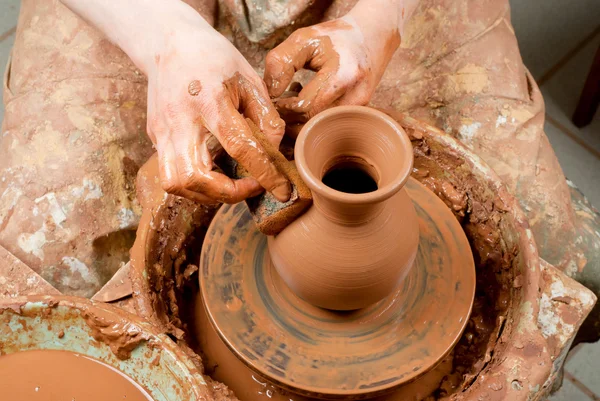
[(558, 39)]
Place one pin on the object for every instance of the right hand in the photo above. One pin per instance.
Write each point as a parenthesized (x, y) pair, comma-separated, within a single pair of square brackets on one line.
[(349, 54), (199, 84)]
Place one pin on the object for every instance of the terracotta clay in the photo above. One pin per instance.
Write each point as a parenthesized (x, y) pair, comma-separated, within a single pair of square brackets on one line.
[(222, 365), (501, 340), (350, 250), (49, 375), (322, 353)]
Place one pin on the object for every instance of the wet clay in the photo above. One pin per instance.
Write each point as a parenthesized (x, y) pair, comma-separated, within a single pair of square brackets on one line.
[(322, 353), (51, 375), (164, 258), (118, 332), (483, 216), (222, 365), (350, 250)]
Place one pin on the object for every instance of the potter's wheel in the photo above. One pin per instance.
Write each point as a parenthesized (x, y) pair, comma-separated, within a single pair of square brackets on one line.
[(324, 353)]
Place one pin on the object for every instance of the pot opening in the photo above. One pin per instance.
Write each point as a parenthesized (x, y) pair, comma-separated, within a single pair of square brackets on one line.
[(352, 175), (369, 138)]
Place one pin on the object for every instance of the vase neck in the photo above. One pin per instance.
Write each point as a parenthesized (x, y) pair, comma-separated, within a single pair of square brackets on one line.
[(347, 214), (342, 151)]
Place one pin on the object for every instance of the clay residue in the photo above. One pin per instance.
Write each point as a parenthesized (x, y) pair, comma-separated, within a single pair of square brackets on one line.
[(160, 260), (480, 213), (119, 333), (194, 87)]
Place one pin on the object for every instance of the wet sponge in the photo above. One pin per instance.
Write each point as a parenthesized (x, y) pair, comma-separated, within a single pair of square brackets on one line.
[(270, 215)]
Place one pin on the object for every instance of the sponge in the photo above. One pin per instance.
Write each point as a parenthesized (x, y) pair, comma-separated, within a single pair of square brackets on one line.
[(270, 215)]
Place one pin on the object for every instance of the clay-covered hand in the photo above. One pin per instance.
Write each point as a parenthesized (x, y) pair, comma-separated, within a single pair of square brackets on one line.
[(201, 85), (349, 55), (198, 85)]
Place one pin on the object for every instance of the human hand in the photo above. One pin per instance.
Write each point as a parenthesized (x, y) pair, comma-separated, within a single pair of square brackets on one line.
[(198, 85), (349, 55), (201, 85)]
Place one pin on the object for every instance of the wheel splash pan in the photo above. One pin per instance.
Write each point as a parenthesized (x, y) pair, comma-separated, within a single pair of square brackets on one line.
[(519, 330)]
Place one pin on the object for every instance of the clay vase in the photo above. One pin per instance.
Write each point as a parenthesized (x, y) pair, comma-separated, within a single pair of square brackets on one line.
[(352, 247)]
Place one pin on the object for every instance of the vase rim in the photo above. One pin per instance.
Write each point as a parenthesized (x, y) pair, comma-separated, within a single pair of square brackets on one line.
[(382, 193)]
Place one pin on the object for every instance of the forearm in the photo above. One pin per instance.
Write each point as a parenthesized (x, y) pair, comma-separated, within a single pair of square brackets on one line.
[(141, 28)]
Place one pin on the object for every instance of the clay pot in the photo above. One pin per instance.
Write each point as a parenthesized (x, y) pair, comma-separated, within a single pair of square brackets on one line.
[(338, 255)]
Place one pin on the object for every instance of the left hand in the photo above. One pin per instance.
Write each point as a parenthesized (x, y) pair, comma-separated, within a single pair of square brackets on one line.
[(349, 55)]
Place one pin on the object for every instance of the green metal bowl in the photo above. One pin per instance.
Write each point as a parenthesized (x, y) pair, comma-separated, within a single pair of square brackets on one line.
[(90, 328)]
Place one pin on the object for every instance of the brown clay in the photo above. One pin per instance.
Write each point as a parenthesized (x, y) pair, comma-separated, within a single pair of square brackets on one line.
[(50, 375), (222, 365), (116, 330), (322, 353), (507, 274), (350, 250)]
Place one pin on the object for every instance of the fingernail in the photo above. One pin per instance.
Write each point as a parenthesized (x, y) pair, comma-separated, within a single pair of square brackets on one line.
[(282, 192)]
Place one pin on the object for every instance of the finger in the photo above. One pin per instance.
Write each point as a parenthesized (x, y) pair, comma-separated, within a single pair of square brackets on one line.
[(167, 171), (320, 93), (167, 167), (233, 132), (293, 54), (254, 103), (169, 176), (194, 166), (181, 177), (196, 197), (208, 150), (218, 187)]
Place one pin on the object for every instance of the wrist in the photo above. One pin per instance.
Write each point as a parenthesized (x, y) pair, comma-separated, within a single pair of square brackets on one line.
[(141, 28), (378, 21), (383, 17), (168, 28), (377, 17)]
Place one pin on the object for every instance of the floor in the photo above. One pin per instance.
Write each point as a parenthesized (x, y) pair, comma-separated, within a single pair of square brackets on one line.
[(558, 39)]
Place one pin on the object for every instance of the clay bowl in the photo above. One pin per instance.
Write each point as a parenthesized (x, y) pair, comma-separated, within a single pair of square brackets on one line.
[(82, 326), (517, 336)]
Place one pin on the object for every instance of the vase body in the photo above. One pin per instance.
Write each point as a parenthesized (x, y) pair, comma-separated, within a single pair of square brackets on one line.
[(359, 239)]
